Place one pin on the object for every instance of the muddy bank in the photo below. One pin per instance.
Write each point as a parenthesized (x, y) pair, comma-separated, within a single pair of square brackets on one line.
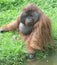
[(49, 60)]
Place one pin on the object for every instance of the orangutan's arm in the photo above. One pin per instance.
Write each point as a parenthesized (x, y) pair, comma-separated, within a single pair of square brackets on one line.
[(11, 26)]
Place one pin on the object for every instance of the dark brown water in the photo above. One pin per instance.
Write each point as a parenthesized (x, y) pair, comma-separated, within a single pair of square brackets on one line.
[(50, 60)]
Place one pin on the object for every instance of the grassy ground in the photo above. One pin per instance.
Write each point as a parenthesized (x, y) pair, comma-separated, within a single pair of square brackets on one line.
[(12, 51)]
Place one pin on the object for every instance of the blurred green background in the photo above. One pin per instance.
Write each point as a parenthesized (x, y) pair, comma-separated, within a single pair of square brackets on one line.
[(12, 51)]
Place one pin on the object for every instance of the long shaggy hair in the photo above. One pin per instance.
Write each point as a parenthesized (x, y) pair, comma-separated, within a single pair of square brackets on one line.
[(40, 36)]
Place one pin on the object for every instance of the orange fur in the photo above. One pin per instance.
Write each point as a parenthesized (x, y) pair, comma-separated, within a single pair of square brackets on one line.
[(41, 34)]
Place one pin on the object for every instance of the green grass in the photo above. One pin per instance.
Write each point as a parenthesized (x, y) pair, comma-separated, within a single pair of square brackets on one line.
[(12, 51)]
